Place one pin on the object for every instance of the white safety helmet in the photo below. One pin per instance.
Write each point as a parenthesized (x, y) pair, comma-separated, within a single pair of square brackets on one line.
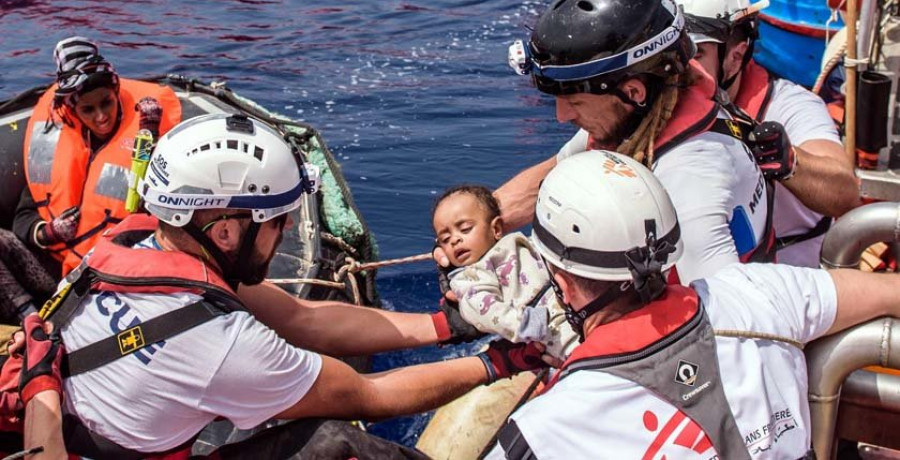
[(597, 209), (221, 161), (704, 14)]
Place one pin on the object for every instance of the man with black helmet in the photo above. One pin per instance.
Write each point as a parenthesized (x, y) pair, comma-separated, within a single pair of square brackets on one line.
[(815, 179), (621, 71), (714, 370)]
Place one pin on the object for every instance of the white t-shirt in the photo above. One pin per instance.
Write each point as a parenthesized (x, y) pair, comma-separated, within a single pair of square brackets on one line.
[(595, 415), (161, 396), (805, 117), (718, 193)]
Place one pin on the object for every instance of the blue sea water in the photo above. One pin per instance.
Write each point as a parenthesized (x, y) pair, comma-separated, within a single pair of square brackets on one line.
[(412, 96)]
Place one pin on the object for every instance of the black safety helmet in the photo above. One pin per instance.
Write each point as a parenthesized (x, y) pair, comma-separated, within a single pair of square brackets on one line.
[(589, 46)]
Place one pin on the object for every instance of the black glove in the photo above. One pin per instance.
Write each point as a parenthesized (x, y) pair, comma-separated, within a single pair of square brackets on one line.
[(41, 360), (61, 229), (504, 359), (773, 151), (444, 279), (450, 326)]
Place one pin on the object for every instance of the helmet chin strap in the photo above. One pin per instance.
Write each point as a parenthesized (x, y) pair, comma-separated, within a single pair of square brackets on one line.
[(748, 55), (233, 270), (577, 318)]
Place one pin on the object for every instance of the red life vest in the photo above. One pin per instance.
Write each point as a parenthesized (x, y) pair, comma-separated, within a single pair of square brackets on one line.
[(115, 266), (121, 268), (646, 347), (756, 91), (62, 173), (636, 330)]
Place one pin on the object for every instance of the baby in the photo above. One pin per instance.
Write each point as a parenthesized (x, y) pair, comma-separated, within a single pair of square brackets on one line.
[(501, 282)]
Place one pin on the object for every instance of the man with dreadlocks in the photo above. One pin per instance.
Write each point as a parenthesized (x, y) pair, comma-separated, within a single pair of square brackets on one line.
[(621, 71), (78, 150), (815, 179)]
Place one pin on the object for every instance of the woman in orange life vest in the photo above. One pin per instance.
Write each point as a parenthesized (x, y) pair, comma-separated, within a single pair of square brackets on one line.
[(77, 152)]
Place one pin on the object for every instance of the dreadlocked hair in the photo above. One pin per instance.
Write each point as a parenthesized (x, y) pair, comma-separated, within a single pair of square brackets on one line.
[(640, 144)]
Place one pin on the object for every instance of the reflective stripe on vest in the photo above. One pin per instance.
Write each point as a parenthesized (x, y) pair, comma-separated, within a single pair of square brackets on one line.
[(42, 152)]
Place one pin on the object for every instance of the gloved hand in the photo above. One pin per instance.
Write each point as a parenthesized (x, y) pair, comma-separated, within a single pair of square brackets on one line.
[(41, 360), (504, 359), (150, 114), (450, 326), (61, 229), (773, 150)]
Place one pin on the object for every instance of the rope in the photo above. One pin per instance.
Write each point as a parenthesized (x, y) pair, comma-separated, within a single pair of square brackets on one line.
[(758, 336), (315, 281), (829, 66), (390, 262), (350, 266), (339, 242)]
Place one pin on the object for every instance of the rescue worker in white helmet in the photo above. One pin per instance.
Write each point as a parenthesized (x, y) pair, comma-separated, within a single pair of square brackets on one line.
[(158, 344), (713, 370), (796, 142), (621, 71)]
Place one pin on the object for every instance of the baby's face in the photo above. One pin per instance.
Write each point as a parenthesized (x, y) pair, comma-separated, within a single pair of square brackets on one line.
[(464, 230)]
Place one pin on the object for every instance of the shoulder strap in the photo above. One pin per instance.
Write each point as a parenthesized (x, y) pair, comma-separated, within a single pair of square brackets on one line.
[(514, 445), (732, 128), (138, 337), (821, 227), (692, 130)]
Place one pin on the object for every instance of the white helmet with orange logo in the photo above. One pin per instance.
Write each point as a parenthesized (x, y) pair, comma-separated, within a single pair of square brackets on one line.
[(599, 213)]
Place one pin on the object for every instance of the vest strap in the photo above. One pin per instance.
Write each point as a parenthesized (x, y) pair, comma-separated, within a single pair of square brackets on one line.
[(821, 227), (138, 337), (513, 443)]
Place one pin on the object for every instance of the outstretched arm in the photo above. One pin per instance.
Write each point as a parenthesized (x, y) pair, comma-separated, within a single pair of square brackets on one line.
[(335, 328), (43, 426), (518, 195), (396, 392), (824, 180), (342, 393), (863, 296)]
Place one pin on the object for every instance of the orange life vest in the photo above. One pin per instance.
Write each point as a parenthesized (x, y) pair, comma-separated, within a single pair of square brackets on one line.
[(61, 172)]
